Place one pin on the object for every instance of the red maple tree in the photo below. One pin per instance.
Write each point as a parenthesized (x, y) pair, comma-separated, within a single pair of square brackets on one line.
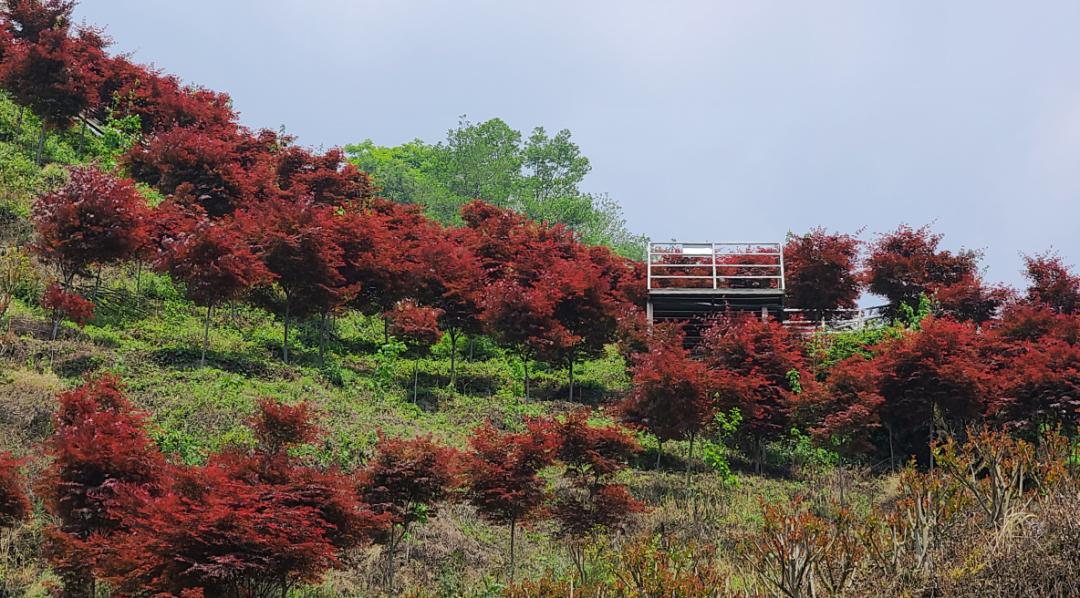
[(932, 380), (301, 246), (758, 367), (1052, 283), (14, 503), (906, 263), (94, 219), (406, 479), (501, 474), (821, 272), (670, 397), (99, 447), (214, 261)]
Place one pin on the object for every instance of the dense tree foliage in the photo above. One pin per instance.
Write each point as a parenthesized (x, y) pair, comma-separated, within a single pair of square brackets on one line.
[(906, 263), (820, 272), (538, 175)]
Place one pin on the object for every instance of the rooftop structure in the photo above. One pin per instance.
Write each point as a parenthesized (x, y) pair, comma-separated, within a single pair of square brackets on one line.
[(692, 281)]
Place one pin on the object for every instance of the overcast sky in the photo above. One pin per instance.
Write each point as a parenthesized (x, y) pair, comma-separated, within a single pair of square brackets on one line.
[(706, 120)]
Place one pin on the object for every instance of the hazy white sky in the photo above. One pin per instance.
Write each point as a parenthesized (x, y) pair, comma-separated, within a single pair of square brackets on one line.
[(715, 120)]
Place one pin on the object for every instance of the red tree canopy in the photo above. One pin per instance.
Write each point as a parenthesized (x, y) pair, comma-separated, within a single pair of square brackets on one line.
[(301, 246), (219, 170), (407, 475), (416, 325), (94, 219), (14, 503), (820, 271), (1052, 283), (752, 363), (212, 258), (27, 19), (501, 471), (907, 263), (937, 375), (58, 76), (670, 396)]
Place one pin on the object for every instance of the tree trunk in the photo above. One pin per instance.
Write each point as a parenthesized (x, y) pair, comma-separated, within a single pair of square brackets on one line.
[(41, 145), (659, 452), (322, 340), (513, 533), (205, 336), (391, 548), (525, 365), (138, 277), (415, 378), (18, 122), (385, 331), (689, 461), (55, 327), (285, 340), (571, 397), (453, 358)]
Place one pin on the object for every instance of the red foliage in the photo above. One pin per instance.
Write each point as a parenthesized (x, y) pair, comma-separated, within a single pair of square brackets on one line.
[(501, 471), (593, 451), (63, 305), (906, 263), (969, 300), (416, 325), (228, 536), (1040, 386), (592, 456), (820, 271), (1052, 283), (935, 374), (328, 179), (670, 396), (407, 478), (301, 245), (94, 219), (26, 20), (57, 75), (278, 426), (160, 101), (751, 361), (98, 447), (247, 524), (846, 411), (212, 258), (1024, 321), (549, 297), (14, 503), (219, 170)]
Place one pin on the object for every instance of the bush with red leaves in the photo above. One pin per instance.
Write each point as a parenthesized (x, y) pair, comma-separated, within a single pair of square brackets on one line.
[(906, 263), (592, 502), (63, 305), (14, 503), (94, 219), (670, 397), (502, 470), (820, 272), (1052, 283), (757, 367), (932, 378), (406, 480), (99, 447)]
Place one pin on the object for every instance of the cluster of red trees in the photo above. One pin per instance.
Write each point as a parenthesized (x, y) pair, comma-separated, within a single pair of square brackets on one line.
[(890, 397), (248, 210), (824, 273), (257, 520)]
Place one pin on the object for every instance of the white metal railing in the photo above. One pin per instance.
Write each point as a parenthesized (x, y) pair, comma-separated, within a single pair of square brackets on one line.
[(710, 265), (835, 320)]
